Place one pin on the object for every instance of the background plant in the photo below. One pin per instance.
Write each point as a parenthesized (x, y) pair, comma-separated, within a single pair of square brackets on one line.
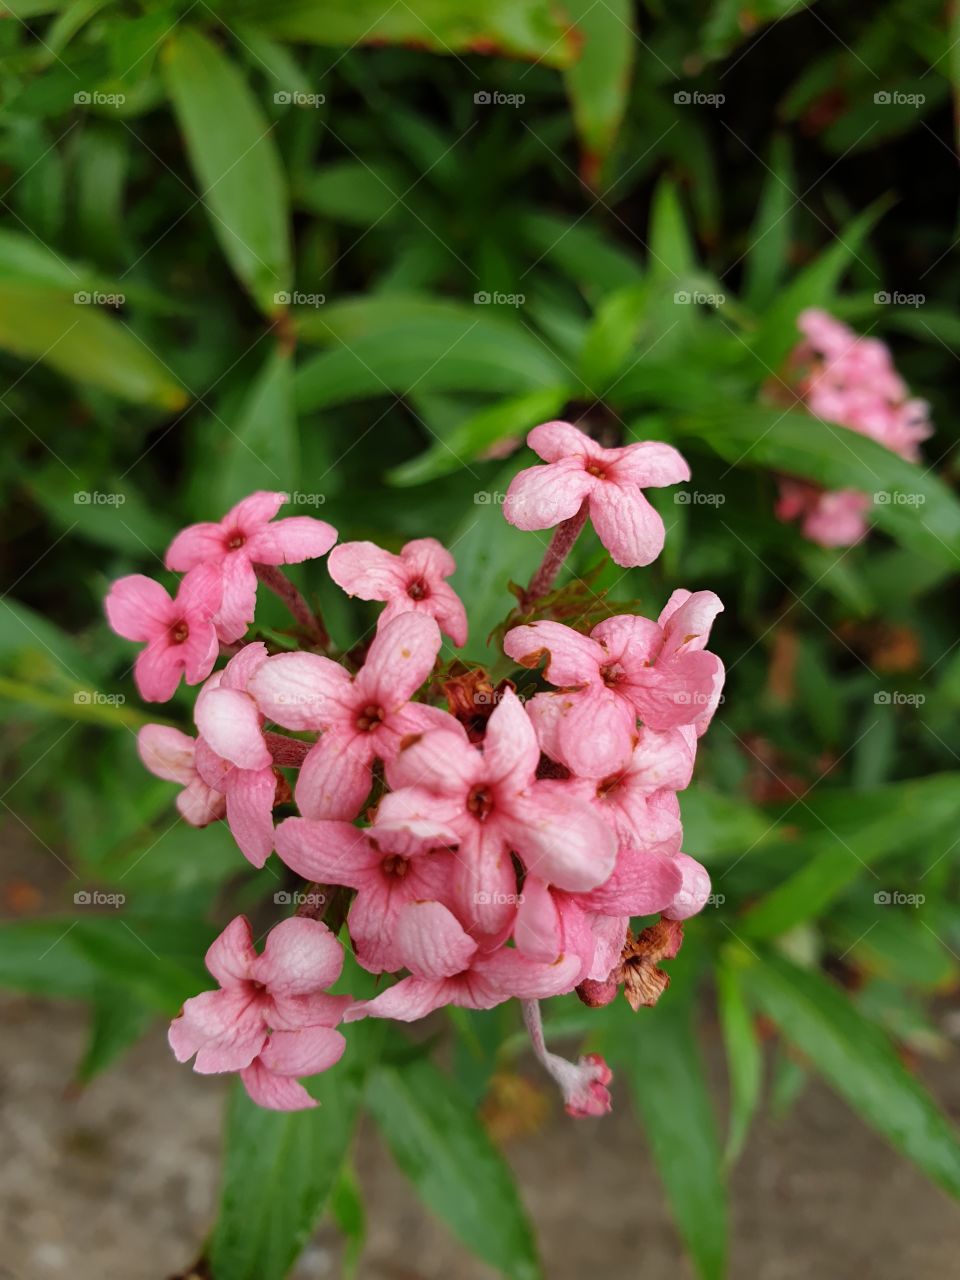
[(221, 200)]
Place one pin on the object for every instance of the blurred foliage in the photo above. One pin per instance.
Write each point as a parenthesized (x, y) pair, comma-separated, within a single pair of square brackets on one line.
[(354, 253)]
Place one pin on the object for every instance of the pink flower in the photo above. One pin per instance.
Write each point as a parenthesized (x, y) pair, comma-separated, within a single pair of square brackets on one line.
[(180, 635), (171, 755), (693, 893), (627, 667), (610, 481), (363, 718), (388, 865), (271, 1019), (245, 537), (491, 799), (448, 967), (412, 582), (582, 1083), (851, 381)]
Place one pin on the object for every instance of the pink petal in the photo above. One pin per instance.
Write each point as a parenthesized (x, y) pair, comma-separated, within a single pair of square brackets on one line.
[(629, 640), (626, 524), (230, 723), (406, 1001), (318, 1009), (440, 760), (572, 659), (336, 776), (430, 559), (291, 541), (432, 941), (197, 544), (363, 569), (250, 797), (158, 669), (484, 880), (199, 652), (138, 608), (200, 805), (239, 600), (641, 884), (556, 440), (542, 497), (167, 753), (537, 931), (200, 593), (306, 1052), (511, 751), (694, 891), (301, 956), (419, 804), (253, 511), (399, 660), (661, 760), (447, 607), (650, 465), (679, 692), (686, 620), (328, 852), (224, 1028), (241, 668), (230, 956), (275, 1092), (513, 974), (301, 690), (590, 732), (561, 840)]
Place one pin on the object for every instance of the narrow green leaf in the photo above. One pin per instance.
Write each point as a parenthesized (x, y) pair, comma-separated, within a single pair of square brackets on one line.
[(261, 449), (744, 1058), (769, 235), (443, 1149), (599, 81), (236, 162), (346, 1206), (859, 1062), (116, 1023)]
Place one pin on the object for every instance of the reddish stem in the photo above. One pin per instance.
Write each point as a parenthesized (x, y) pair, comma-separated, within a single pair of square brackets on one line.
[(283, 588), (289, 752), (564, 536)]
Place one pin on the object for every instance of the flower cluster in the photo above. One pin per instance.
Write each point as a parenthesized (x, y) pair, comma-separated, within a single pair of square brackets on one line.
[(478, 845), (850, 381)]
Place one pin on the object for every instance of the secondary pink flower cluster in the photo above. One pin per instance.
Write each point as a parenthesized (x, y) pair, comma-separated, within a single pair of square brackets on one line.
[(851, 381), (478, 857)]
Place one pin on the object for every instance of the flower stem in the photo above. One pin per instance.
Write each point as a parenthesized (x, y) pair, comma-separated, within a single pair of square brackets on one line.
[(281, 586), (561, 544), (289, 752)]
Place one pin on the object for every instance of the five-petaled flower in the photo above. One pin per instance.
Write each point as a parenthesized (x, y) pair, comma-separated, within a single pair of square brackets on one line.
[(610, 481)]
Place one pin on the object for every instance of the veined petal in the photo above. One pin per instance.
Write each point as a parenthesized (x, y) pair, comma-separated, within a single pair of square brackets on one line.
[(641, 884), (230, 722), (138, 608), (301, 690), (197, 544), (561, 840), (572, 659), (336, 776), (275, 1092), (542, 497), (429, 558), (250, 797), (328, 852), (407, 1001), (300, 956), (537, 930), (649, 464), (167, 753), (230, 956), (365, 570), (291, 541), (630, 529), (253, 511), (511, 751), (305, 1052), (399, 660), (440, 760), (556, 440), (238, 603), (432, 941)]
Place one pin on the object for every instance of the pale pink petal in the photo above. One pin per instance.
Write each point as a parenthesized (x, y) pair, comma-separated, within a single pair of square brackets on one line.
[(253, 511), (291, 541), (511, 751), (199, 651), (230, 956), (336, 776), (158, 669), (275, 1092), (250, 797), (409, 1000), (363, 569), (328, 852), (447, 607), (200, 593), (561, 840), (239, 600), (686, 620), (138, 608), (572, 659), (306, 1052), (589, 732), (197, 544), (167, 753), (629, 640), (484, 880), (317, 1009), (429, 558), (537, 931), (679, 692), (441, 760), (541, 497), (661, 760), (230, 722), (301, 690), (300, 956), (641, 884), (514, 975), (225, 1028), (416, 804), (626, 524), (399, 660), (556, 440), (650, 465), (432, 941), (199, 804), (694, 891)]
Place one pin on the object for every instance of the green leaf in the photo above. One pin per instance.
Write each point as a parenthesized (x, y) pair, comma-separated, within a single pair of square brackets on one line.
[(480, 432), (441, 1146), (531, 29), (744, 1058), (234, 156), (117, 1022), (280, 1168), (859, 1062), (910, 503), (40, 957), (352, 191), (658, 1051), (672, 251), (79, 340), (612, 335), (599, 81), (854, 831), (582, 252), (346, 1206), (770, 233), (261, 445)]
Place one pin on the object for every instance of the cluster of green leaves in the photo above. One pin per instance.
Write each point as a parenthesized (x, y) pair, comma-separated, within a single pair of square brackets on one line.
[(298, 228)]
